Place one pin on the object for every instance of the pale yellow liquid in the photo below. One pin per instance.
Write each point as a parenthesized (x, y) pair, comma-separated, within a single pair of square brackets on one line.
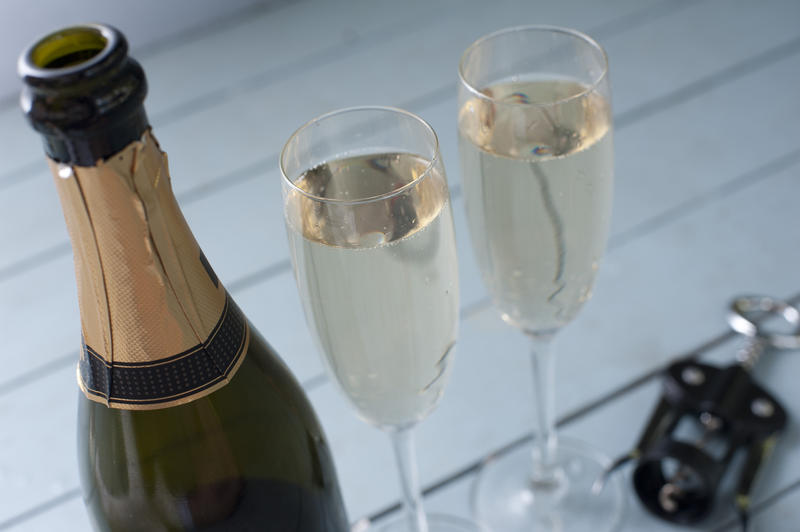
[(538, 188), (379, 283)]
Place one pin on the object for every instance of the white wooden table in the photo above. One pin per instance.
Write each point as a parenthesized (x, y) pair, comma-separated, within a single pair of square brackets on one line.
[(706, 98)]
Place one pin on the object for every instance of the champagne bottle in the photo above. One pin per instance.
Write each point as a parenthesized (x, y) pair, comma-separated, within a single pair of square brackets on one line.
[(188, 420)]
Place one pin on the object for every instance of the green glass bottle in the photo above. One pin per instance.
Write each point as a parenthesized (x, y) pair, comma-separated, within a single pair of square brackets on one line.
[(187, 419)]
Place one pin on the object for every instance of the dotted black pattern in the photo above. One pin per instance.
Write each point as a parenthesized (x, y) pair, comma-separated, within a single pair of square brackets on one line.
[(173, 377)]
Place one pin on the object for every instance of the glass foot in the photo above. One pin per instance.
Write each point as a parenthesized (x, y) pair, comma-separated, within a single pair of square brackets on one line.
[(436, 523), (506, 498)]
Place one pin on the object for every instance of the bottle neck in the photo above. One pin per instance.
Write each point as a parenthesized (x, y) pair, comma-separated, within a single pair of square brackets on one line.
[(158, 327), (85, 148)]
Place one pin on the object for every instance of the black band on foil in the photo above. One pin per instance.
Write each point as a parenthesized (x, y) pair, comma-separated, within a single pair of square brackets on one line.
[(168, 379)]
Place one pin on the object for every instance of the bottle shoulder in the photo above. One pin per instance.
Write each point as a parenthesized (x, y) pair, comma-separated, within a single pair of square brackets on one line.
[(261, 388), (250, 452)]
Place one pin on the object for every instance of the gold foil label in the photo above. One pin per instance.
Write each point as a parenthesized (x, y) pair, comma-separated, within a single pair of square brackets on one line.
[(158, 327)]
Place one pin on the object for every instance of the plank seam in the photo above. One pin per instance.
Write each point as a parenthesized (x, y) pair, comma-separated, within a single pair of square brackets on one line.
[(187, 35), (252, 170), (761, 506), (750, 177), (262, 79), (41, 508), (579, 413)]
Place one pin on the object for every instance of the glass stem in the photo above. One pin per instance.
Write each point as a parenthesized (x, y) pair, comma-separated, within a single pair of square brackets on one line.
[(545, 470), (406, 455)]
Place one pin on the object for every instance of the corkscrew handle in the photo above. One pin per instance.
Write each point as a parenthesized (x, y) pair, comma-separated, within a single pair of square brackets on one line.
[(746, 315), (677, 478)]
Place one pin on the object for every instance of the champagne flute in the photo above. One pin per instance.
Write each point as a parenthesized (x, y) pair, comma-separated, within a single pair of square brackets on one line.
[(370, 229), (535, 139)]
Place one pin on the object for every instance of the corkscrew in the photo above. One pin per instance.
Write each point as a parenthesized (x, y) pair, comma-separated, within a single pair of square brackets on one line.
[(707, 415)]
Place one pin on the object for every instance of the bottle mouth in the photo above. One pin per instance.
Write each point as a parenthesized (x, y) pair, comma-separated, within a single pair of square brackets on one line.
[(83, 93), (70, 51)]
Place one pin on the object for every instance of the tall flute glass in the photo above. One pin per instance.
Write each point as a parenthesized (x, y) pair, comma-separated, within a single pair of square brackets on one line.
[(535, 138), (370, 228)]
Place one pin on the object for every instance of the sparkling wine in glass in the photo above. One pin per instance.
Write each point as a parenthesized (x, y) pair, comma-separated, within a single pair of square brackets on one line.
[(535, 139), (370, 229)]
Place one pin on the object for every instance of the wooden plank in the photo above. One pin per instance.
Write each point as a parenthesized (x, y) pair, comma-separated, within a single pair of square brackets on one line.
[(278, 45), (52, 514), (178, 75), (693, 43), (774, 506), (274, 308), (254, 129), (44, 299), (19, 148), (658, 296), (301, 98), (702, 143), (246, 143), (32, 218), (39, 454), (70, 516), (780, 516), (150, 23)]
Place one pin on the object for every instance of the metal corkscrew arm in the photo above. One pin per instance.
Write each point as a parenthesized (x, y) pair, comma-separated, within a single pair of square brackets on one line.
[(706, 416)]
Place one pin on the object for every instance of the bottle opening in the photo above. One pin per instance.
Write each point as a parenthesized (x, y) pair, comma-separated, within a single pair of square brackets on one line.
[(68, 48)]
